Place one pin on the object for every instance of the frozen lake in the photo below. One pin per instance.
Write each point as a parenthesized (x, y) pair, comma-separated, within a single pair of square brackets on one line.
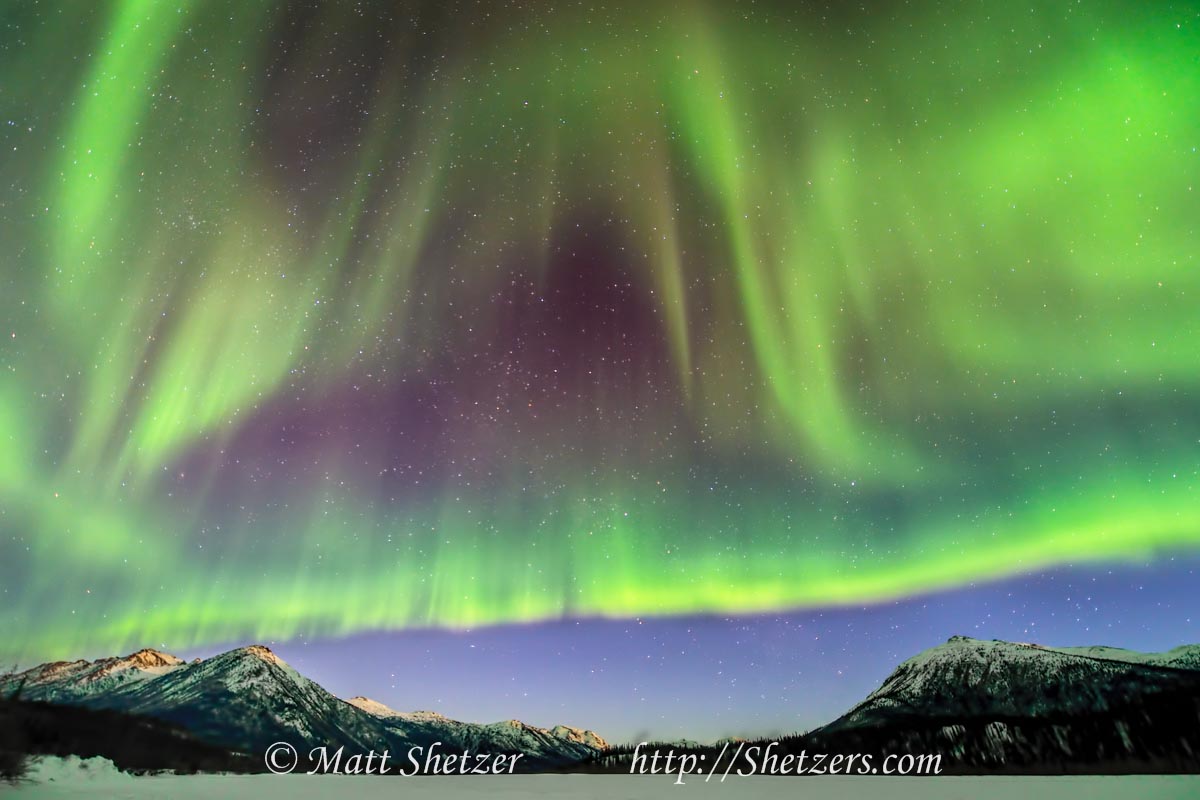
[(67, 779)]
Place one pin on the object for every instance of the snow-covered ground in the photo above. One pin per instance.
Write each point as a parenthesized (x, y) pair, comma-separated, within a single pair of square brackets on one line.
[(72, 778)]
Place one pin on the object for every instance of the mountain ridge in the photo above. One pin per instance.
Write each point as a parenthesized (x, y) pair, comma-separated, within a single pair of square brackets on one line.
[(1023, 707), (1004, 678), (985, 705), (248, 698)]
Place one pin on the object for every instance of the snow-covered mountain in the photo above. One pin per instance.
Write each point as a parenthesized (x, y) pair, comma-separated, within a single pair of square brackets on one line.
[(970, 677), (1183, 657), (997, 704), (67, 681), (509, 736), (249, 698)]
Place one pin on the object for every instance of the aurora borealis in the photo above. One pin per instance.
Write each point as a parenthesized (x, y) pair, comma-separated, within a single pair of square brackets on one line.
[(331, 319)]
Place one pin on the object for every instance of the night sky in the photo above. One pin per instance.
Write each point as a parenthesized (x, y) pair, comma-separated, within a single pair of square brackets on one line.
[(668, 367)]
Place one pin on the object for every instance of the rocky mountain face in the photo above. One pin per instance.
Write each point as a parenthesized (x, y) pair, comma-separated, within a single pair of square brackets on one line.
[(508, 736), (249, 698), (67, 681), (1022, 707)]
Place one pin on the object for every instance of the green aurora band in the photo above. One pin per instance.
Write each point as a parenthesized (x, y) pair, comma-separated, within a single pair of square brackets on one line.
[(917, 304)]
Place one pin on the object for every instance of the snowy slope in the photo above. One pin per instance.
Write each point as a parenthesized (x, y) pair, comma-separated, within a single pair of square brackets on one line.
[(1014, 706), (1184, 657), (69, 681), (249, 698), (972, 676), (511, 736)]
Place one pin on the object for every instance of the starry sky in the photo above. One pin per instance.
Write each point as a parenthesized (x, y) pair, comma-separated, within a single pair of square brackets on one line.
[(590, 328)]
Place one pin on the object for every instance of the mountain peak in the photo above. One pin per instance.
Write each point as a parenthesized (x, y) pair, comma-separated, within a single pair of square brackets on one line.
[(580, 735), (261, 651), (377, 709), (990, 669), (372, 707), (992, 703), (147, 657)]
